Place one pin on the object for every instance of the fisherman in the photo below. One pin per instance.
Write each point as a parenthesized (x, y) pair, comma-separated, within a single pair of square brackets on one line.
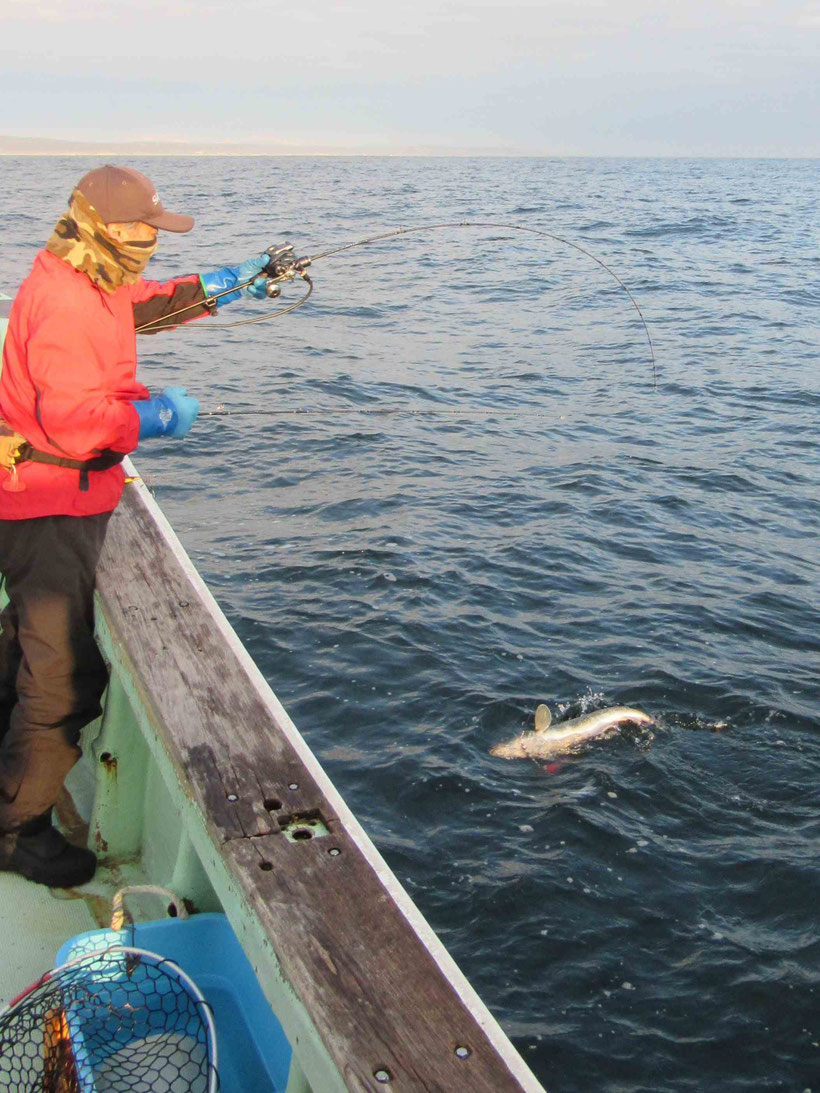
[(71, 409)]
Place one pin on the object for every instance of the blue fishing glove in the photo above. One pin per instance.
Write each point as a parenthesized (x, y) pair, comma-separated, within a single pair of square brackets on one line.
[(228, 276), (171, 413)]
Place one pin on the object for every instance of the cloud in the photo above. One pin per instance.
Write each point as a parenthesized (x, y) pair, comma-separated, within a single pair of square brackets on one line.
[(532, 71), (808, 17)]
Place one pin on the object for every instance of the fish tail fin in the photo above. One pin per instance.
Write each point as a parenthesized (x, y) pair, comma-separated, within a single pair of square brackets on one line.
[(543, 718)]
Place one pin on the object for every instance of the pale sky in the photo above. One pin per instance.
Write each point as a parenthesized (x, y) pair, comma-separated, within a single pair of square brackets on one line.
[(589, 77)]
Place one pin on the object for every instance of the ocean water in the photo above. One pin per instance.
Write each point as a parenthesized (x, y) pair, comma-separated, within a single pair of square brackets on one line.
[(642, 916)]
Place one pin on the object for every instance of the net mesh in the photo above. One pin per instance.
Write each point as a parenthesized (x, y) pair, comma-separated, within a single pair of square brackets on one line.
[(119, 1020)]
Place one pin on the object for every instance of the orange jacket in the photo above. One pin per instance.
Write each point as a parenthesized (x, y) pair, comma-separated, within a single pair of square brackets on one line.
[(69, 378)]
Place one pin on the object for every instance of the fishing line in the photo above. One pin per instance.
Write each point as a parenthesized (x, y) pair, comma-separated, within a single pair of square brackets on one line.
[(287, 268), (264, 318)]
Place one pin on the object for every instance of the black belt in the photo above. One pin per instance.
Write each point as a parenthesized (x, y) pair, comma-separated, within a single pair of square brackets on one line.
[(102, 462)]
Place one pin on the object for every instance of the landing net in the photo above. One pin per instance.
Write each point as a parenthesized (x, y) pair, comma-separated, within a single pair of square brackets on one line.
[(120, 1020)]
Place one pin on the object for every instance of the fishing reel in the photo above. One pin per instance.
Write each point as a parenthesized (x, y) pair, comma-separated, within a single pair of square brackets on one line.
[(283, 266)]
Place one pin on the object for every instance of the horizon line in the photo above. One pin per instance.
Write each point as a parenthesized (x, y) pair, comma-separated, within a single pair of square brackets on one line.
[(60, 147)]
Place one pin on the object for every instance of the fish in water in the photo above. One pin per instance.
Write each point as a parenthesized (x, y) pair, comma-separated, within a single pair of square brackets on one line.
[(548, 740)]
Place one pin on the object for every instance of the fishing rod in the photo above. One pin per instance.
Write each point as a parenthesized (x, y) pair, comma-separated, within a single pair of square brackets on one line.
[(284, 266), (376, 411), (504, 227)]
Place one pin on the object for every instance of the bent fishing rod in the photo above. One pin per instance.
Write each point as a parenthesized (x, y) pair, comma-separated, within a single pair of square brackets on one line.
[(284, 266)]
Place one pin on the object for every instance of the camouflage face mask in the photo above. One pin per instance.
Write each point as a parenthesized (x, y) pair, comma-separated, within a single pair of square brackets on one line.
[(80, 238)]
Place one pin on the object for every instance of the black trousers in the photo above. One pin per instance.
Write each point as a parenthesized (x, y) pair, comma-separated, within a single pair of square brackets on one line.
[(52, 675)]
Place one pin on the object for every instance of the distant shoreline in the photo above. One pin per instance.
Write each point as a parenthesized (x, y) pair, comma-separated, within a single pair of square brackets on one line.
[(139, 154), (41, 147)]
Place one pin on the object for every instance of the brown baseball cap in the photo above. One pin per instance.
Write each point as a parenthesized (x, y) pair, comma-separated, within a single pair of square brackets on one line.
[(121, 194)]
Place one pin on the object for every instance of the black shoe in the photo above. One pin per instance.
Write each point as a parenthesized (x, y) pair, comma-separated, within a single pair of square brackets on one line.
[(46, 857)]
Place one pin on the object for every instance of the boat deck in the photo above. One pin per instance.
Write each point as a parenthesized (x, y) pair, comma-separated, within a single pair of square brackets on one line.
[(35, 921), (46, 919)]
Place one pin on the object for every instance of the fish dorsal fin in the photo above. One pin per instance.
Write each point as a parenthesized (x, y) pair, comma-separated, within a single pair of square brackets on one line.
[(543, 718)]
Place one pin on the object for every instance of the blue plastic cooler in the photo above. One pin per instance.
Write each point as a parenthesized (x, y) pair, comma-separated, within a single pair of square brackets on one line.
[(254, 1053)]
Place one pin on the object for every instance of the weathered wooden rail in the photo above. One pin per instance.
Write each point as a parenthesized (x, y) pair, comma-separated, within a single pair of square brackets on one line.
[(206, 785)]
